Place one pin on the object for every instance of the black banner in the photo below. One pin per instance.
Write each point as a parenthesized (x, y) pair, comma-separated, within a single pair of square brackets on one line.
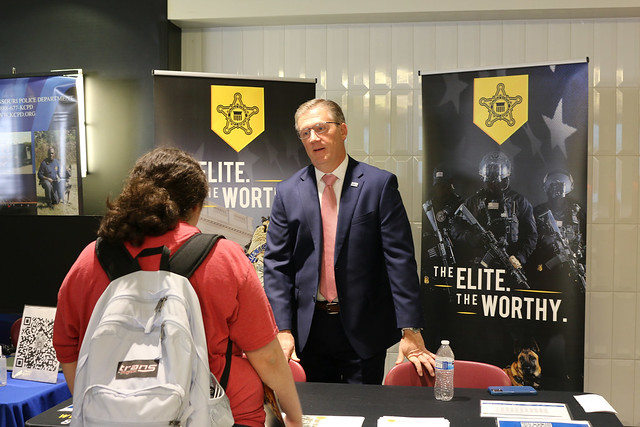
[(504, 224), (242, 131)]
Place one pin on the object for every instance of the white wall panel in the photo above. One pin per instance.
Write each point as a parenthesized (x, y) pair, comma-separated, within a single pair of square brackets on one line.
[(316, 55), (253, 51), (599, 380), (604, 56), (380, 67), (273, 52), (424, 50), (357, 114), (338, 58), (401, 121), (469, 45), (626, 254), (604, 121), (403, 168), (627, 121), (622, 381), (359, 57), (624, 313), (582, 41), (415, 210), (626, 189), (603, 185), (559, 41), (600, 326), (295, 52), (447, 46), (232, 52), (380, 123), (192, 42), (402, 67), (537, 42), (628, 53), (491, 34), (513, 42)]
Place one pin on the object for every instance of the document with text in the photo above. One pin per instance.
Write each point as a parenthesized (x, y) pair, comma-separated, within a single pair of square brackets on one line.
[(524, 410)]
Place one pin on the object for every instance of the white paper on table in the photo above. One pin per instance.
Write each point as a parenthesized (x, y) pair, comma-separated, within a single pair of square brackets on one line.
[(331, 421), (387, 421), (528, 410), (594, 403)]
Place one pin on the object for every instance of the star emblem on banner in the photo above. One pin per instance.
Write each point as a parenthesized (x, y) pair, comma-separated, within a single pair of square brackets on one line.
[(500, 106), (237, 115), (559, 131), (453, 88)]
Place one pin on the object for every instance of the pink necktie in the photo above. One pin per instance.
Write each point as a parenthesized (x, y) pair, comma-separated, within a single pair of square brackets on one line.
[(329, 211)]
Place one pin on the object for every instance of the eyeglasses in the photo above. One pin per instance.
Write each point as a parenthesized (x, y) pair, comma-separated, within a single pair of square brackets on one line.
[(318, 129)]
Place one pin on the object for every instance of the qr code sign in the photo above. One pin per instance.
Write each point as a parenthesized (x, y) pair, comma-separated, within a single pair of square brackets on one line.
[(35, 357), (35, 345)]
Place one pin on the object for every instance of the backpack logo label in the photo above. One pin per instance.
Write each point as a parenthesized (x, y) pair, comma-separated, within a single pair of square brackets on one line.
[(137, 369)]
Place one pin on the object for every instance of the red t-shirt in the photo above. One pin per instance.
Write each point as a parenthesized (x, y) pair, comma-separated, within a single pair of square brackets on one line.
[(233, 304)]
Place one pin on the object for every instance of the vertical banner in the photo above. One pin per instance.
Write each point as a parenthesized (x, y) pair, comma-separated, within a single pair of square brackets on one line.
[(242, 132), (504, 224), (41, 127)]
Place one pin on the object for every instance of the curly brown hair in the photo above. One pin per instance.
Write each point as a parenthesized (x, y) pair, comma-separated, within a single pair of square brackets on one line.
[(162, 189)]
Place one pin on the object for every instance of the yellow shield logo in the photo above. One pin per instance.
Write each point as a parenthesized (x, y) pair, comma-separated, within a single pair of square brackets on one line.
[(237, 114), (501, 105)]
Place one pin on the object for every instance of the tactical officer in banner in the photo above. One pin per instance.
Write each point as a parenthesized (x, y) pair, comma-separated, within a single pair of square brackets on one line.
[(438, 256), (562, 224), (496, 224), (440, 210)]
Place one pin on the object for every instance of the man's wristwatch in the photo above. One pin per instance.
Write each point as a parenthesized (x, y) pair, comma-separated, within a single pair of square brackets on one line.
[(414, 330)]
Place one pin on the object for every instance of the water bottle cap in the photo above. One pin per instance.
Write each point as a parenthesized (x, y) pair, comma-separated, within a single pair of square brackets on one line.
[(444, 342)]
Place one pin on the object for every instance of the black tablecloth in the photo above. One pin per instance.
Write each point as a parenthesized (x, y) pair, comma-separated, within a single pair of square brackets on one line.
[(373, 401)]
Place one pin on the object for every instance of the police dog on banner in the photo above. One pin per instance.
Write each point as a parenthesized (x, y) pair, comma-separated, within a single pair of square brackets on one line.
[(526, 369)]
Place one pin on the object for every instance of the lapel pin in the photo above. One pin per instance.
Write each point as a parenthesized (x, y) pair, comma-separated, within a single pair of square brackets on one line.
[(354, 184)]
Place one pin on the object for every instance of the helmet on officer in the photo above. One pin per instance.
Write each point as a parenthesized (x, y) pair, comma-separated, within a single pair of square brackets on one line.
[(441, 175), (495, 170), (558, 183)]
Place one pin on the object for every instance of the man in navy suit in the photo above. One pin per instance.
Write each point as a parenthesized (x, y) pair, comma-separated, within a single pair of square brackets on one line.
[(342, 339)]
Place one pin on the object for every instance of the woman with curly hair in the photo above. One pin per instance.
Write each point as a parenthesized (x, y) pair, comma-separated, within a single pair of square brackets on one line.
[(160, 206)]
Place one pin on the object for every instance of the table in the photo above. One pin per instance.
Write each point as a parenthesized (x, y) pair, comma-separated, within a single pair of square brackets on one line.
[(374, 401), (22, 399)]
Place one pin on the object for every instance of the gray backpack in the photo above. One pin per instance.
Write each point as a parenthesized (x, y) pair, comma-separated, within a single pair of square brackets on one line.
[(144, 360)]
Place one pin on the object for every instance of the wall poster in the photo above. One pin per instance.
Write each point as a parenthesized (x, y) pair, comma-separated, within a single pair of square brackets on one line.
[(504, 219), (41, 135), (242, 131)]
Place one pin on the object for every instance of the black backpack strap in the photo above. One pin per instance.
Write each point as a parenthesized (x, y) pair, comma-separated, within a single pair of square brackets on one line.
[(185, 261), (190, 255), (115, 259), (224, 379)]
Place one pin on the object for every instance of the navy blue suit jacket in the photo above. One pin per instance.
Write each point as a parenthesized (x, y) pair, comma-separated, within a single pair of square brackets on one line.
[(375, 267)]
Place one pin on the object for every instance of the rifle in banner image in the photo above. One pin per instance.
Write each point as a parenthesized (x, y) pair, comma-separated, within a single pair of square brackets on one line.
[(495, 251), (443, 248), (563, 252)]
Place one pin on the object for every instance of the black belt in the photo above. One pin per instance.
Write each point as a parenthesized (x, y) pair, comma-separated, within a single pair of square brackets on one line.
[(329, 307)]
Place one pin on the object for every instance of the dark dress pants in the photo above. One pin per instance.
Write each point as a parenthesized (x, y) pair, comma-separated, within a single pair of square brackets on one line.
[(329, 357)]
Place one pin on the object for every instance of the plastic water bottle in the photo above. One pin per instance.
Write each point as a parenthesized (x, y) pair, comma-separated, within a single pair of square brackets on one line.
[(443, 388), (3, 370)]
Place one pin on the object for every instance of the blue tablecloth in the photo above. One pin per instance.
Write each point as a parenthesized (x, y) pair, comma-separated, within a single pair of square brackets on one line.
[(21, 399)]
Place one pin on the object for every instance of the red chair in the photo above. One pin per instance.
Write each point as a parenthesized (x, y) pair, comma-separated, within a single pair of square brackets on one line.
[(299, 375), (14, 333), (467, 374)]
